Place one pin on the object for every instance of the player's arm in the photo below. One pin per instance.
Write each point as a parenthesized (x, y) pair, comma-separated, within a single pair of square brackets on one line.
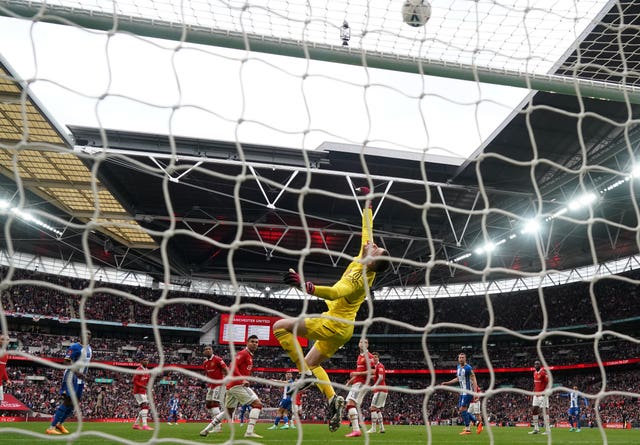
[(452, 381), (367, 221), (380, 377), (224, 367), (359, 373), (339, 290), (474, 382)]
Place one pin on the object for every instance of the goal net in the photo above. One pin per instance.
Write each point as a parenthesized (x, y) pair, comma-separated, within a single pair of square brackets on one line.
[(164, 162)]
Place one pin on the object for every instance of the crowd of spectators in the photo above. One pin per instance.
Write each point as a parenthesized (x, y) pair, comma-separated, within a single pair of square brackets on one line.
[(577, 306), (573, 304), (409, 401)]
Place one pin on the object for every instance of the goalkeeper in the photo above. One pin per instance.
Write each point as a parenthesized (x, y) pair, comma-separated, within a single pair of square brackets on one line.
[(335, 327)]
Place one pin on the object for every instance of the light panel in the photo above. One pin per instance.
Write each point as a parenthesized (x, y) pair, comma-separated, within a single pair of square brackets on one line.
[(52, 171)]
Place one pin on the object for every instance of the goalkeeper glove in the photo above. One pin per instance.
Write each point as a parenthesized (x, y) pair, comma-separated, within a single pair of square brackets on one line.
[(292, 278)]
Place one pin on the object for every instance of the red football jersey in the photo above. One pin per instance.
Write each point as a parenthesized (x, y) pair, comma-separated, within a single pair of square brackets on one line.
[(4, 377), (140, 381), (215, 369), (380, 373), (540, 380), (362, 366), (244, 365)]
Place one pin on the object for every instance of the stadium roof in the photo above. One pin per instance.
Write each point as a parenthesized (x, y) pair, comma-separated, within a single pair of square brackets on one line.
[(240, 207), (34, 144)]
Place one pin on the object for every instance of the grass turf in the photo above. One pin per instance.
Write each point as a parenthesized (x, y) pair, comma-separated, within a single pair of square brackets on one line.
[(119, 433)]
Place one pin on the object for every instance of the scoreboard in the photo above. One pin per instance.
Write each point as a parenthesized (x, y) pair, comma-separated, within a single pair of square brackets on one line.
[(241, 327)]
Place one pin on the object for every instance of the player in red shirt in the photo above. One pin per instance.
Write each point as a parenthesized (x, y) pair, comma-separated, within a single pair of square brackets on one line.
[(140, 382), (296, 410), (4, 377), (239, 392), (215, 369), (363, 375), (380, 391), (540, 400)]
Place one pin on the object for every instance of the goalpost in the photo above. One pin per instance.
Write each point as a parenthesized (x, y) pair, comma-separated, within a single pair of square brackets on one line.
[(505, 50)]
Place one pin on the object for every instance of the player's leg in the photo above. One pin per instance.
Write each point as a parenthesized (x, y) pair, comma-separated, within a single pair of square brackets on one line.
[(476, 410), (276, 421), (330, 336), (545, 414), (354, 401), (283, 330), (247, 396), (374, 417), (470, 414), (65, 408), (378, 402), (141, 422), (295, 415), (60, 414), (214, 399), (463, 406), (536, 418), (571, 420), (285, 406)]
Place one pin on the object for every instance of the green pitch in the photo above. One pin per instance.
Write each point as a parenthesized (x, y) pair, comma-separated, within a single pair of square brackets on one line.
[(103, 433)]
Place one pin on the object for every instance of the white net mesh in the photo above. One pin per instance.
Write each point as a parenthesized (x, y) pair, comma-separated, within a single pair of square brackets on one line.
[(151, 207)]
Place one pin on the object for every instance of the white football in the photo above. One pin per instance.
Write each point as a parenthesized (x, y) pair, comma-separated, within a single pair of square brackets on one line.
[(416, 12)]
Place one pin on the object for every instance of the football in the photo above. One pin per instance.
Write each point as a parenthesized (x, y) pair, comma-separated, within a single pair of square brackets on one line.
[(416, 12)]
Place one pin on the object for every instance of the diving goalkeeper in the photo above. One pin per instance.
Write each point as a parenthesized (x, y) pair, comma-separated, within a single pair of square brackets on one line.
[(335, 327)]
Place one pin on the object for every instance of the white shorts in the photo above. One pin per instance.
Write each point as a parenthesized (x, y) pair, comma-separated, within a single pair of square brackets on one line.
[(379, 399), (541, 401), (474, 408), (239, 395), (141, 398), (295, 409), (216, 394), (356, 393), (1, 393)]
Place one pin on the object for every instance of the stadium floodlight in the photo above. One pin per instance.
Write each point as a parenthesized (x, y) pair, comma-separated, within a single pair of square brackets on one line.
[(582, 201), (462, 257), (635, 172), (531, 226), (4, 204), (29, 218), (489, 247)]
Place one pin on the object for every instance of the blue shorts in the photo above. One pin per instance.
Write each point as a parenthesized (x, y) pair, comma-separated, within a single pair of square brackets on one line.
[(75, 386), (173, 412), (575, 411), (285, 404), (465, 400)]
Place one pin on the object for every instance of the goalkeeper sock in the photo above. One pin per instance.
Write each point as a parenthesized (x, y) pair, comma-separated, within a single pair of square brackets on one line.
[(324, 384), (291, 345)]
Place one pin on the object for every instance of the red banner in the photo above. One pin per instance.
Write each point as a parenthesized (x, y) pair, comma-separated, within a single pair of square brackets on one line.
[(10, 403), (12, 419), (238, 329)]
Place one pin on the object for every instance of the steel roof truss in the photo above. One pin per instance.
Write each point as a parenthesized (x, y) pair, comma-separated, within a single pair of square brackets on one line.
[(270, 204)]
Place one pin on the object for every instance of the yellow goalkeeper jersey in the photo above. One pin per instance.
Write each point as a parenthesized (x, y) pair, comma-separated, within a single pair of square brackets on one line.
[(345, 297)]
